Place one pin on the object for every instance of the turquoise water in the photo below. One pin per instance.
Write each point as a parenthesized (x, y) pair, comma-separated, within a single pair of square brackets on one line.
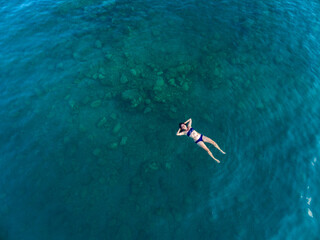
[(91, 94)]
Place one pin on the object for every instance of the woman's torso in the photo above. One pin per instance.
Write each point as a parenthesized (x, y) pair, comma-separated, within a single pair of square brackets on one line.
[(194, 134)]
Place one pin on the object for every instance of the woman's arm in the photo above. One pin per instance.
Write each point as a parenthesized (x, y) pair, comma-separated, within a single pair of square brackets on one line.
[(180, 133), (187, 120), (190, 122)]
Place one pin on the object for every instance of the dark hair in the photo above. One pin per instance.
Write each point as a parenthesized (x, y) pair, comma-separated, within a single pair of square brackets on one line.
[(181, 130)]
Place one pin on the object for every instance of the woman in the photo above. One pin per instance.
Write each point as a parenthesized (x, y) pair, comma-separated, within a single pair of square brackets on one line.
[(197, 137)]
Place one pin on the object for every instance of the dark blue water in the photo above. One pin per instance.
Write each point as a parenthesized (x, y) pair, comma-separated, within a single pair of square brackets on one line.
[(91, 94)]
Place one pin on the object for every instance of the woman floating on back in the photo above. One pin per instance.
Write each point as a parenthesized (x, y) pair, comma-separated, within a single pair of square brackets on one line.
[(197, 137)]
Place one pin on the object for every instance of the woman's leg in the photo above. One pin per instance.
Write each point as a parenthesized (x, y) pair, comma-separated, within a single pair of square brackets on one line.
[(201, 144), (209, 140)]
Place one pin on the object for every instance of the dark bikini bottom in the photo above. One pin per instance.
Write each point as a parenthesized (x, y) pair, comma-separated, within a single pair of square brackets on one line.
[(200, 139)]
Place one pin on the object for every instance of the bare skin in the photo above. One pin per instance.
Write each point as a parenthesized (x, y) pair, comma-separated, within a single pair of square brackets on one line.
[(195, 136)]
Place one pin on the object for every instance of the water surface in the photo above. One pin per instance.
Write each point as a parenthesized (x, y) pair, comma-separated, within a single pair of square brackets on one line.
[(91, 96)]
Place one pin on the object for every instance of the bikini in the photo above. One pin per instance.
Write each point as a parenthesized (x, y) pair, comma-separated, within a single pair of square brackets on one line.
[(190, 131)]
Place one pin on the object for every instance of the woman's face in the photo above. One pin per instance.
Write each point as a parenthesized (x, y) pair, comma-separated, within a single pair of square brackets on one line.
[(183, 126)]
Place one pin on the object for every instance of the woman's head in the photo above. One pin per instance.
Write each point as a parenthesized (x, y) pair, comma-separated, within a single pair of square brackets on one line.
[(183, 127)]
